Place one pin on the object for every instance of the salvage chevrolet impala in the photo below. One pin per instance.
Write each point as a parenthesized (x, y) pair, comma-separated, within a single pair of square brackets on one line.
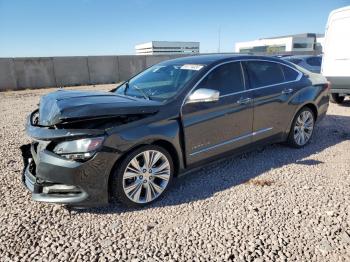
[(130, 143)]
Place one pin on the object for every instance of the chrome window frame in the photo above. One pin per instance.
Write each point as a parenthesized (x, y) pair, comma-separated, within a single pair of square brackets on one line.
[(243, 79), (300, 75)]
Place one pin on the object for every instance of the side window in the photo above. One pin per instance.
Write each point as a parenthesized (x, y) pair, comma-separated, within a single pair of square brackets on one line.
[(314, 61), (226, 79), (262, 73), (289, 73)]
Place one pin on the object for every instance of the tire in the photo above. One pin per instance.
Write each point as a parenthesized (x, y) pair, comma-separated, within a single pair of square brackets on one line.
[(139, 187), (336, 98), (299, 130)]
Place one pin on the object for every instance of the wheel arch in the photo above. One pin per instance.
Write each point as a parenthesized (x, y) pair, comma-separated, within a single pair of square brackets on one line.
[(309, 105), (172, 151), (313, 108), (157, 142)]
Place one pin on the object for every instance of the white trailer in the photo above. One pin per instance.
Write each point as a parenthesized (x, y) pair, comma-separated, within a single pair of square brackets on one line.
[(336, 57)]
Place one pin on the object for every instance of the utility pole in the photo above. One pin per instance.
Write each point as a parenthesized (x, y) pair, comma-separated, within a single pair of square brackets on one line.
[(219, 38)]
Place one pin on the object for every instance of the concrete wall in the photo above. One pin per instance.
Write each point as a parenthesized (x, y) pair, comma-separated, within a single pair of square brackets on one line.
[(7, 74), (71, 71), (130, 65), (103, 69), (38, 72)]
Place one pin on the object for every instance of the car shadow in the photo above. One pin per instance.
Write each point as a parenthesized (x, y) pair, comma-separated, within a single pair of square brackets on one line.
[(233, 171), (346, 103)]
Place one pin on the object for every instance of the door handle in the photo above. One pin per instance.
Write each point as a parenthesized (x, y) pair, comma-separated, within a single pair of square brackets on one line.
[(287, 91), (244, 101)]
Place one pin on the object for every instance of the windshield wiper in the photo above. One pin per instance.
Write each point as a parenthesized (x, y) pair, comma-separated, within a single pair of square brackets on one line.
[(126, 87), (142, 92), (136, 88)]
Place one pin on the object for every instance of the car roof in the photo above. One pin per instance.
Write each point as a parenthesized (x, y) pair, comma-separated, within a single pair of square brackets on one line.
[(301, 56), (209, 59)]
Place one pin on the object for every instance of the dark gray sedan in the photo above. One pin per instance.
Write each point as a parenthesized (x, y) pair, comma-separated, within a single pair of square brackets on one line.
[(130, 143)]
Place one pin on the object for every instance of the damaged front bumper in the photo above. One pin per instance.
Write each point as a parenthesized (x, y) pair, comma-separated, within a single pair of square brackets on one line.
[(55, 179)]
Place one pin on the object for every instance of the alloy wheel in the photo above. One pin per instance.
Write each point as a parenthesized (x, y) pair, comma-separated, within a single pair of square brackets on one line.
[(303, 128), (146, 176)]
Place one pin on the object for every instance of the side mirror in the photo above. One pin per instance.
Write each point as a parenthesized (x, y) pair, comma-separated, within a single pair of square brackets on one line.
[(203, 95)]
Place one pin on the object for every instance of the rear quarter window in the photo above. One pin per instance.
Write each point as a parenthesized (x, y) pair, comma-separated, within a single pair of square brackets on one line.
[(289, 73)]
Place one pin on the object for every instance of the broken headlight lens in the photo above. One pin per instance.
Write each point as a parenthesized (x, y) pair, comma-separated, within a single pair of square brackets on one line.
[(80, 149)]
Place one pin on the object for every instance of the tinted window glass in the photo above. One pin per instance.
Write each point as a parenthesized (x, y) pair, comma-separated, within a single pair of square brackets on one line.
[(301, 45), (289, 73), (314, 61), (226, 79), (295, 60), (263, 73)]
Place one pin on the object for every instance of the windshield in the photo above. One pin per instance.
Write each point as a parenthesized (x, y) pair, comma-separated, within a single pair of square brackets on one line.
[(159, 82)]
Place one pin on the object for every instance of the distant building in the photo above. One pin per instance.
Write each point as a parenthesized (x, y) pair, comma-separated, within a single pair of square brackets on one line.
[(167, 47), (289, 43)]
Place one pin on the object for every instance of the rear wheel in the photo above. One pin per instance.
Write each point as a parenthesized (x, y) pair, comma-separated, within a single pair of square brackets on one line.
[(302, 128), (143, 176), (336, 98)]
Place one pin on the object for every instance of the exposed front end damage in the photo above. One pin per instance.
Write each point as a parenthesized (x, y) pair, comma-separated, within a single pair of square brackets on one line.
[(54, 178), (55, 170)]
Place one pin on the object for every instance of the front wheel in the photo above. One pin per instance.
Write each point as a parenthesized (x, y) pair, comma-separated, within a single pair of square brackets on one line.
[(143, 176), (302, 128), (336, 98)]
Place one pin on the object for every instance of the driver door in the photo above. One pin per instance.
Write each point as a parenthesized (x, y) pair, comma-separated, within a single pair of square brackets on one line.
[(212, 128)]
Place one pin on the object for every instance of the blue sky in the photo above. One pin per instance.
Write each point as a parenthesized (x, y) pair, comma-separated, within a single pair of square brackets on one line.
[(107, 27)]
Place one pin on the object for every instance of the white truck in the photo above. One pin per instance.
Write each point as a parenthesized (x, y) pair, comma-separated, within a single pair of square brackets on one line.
[(336, 57)]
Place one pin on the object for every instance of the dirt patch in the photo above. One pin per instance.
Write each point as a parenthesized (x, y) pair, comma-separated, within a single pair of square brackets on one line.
[(260, 182)]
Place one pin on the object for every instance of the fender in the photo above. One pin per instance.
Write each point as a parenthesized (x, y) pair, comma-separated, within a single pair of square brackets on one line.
[(129, 139)]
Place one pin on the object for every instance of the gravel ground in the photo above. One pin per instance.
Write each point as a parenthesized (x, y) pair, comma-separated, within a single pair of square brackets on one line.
[(273, 204)]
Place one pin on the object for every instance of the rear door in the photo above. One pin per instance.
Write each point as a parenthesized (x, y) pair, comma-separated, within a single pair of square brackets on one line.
[(211, 128), (273, 84)]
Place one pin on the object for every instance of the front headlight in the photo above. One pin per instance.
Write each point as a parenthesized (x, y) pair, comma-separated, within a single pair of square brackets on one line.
[(81, 149)]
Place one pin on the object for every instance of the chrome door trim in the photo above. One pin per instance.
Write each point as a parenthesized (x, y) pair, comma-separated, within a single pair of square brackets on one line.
[(236, 93), (258, 132), (243, 75)]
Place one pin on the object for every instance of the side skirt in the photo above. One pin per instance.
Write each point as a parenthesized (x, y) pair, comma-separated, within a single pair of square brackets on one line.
[(278, 138)]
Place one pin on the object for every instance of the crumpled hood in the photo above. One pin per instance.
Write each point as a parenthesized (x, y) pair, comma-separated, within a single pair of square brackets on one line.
[(64, 106)]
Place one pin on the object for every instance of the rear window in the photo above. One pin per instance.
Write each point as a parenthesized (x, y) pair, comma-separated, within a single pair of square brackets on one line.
[(296, 61), (263, 73), (314, 61)]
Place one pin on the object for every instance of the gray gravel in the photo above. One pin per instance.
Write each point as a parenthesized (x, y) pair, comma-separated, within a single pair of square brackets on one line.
[(273, 204)]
